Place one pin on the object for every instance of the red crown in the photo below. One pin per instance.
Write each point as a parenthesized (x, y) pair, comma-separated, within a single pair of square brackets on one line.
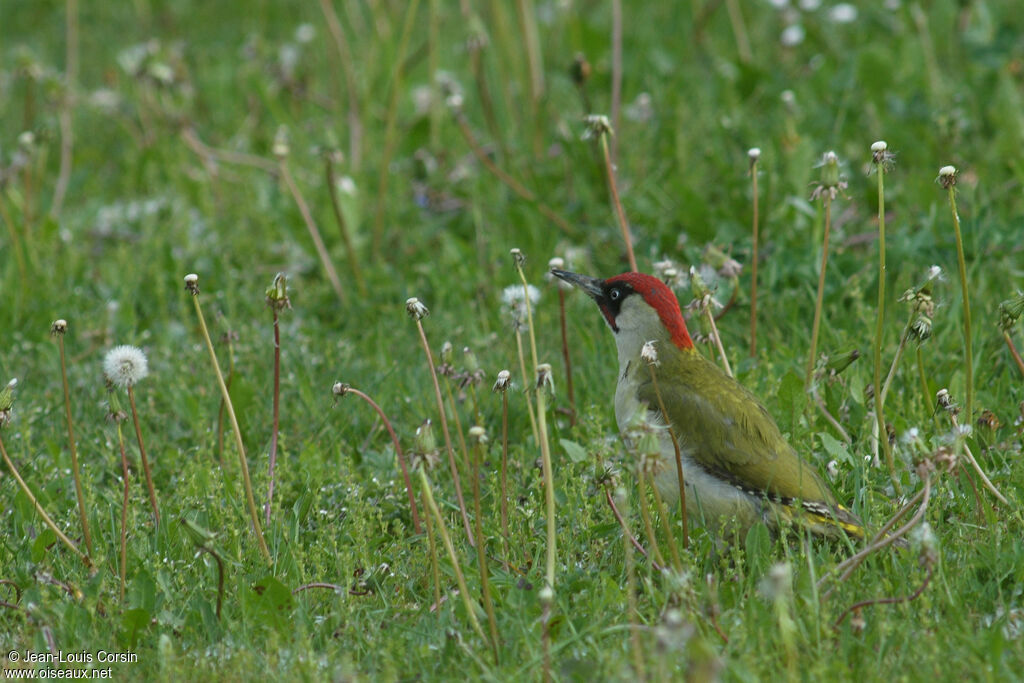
[(659, 297)]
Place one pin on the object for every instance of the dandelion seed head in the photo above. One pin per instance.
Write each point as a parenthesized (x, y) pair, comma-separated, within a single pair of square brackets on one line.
[(792, 35), (843, 13), (649, 354), (925, 543), (125, 366), (503, 381), (415, 308), (280, 148), (596, 126), (778, 582), (832, 468), (947, 177), (346, 185), (477, 434), (305, 33), (514, 298)]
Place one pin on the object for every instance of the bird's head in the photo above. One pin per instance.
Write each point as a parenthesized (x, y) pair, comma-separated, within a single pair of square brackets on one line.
[(635, 304)]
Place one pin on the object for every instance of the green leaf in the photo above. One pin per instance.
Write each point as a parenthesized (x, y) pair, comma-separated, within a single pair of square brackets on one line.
[(792, 399), (576, 452), (133, 622), (835, 449), (44, 540), (272, 601), (759, 548)]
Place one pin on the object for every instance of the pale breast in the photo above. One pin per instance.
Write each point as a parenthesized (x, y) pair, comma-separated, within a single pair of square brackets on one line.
[(709, 500)]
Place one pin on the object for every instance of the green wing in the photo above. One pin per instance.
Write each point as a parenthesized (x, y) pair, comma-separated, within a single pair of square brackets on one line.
[(727, 430)]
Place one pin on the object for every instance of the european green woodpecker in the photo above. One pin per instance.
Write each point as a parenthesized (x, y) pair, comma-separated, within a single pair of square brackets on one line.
[(737, 467)]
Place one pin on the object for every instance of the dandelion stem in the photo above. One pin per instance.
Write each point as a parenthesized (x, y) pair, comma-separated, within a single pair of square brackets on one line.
[(886, 601), (529, 327), (124, 511), (961, 263), (879, 328), (526, 383), (567, 358), (447, 435), (398, 452), (718, 341), (549, 485), (673, 550), (850, 564), (432, 544), (896, 360), (1013, 351), (428, 497), (678, 458), (645, 514), (753, 262), (142, 454), (529, 314), (79, 492), (221, 408), (276, 417), (505, 535), (616, 202), (977, 468), (821, 293), (626, 533), (481, 551), (243, 464), (463, 450), (39, 508)]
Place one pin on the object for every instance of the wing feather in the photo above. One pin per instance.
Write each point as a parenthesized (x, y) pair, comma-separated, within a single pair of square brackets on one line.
[(728, 431)]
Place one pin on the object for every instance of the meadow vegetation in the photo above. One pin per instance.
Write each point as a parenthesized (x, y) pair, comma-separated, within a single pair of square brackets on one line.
[(317, 166)]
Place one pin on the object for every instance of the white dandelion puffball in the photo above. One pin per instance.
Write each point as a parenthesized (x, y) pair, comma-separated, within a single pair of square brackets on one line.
[(124, 366), (513, 295)]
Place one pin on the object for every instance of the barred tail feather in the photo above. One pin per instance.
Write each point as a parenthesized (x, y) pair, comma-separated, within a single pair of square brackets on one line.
[(821, 518)]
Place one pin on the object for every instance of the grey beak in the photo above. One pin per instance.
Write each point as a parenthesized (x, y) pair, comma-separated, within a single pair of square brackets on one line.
[(590, 285)]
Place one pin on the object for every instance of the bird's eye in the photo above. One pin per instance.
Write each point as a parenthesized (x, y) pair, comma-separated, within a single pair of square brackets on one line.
[(615, 294)]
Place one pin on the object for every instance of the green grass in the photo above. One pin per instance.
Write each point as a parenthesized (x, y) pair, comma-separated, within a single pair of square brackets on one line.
[(941, 85)]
